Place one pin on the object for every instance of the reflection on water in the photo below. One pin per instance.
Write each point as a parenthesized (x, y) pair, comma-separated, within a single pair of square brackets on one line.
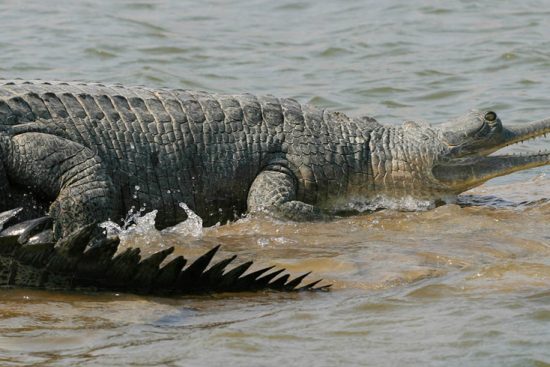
[(461, 284)]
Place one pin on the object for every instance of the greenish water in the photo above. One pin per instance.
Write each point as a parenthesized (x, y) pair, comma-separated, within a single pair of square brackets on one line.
[(458, 285)]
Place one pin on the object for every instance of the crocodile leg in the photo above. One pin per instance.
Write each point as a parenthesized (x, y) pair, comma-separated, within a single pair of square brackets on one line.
[(274, 193), (65, 172)]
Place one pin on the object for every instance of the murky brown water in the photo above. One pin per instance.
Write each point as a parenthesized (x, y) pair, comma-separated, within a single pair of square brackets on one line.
[(454, 283), (464, 284)]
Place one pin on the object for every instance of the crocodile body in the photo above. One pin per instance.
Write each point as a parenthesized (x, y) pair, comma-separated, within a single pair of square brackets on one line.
[(158, 148), (85, 153)]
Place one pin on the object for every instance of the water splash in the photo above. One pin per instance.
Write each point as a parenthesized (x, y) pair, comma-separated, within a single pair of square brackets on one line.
[(192, 226), (137, 223)]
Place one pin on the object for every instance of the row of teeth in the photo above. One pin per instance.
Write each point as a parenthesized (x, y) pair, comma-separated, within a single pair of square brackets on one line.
[(531, 138), (526, 155)]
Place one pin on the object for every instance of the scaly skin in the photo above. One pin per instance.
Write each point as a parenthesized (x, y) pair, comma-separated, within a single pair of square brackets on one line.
[(95, 151)]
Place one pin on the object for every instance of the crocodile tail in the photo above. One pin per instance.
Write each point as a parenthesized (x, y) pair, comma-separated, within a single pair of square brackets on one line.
[(30, 258)]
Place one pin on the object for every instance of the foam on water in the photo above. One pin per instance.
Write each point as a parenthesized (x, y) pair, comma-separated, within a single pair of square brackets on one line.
[(406, 203)]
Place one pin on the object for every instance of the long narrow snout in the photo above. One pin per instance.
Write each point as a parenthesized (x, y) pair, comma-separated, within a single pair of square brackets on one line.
[(463, 173)]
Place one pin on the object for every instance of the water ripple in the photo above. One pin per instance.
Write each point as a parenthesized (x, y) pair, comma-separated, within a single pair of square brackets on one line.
[(457, 285)]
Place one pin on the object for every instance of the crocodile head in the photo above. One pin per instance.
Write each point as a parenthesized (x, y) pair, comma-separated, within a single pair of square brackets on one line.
[(465, 159)]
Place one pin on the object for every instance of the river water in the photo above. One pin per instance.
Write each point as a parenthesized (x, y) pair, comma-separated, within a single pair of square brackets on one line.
[(465, 284)]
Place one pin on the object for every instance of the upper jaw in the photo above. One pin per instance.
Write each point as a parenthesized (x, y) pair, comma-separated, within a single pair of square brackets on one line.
[(532, 130)]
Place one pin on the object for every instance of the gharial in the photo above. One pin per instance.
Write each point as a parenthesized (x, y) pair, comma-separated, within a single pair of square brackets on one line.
[(90, 152)]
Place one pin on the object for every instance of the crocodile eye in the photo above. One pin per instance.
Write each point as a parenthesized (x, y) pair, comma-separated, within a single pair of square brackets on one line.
[(490, 116)]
